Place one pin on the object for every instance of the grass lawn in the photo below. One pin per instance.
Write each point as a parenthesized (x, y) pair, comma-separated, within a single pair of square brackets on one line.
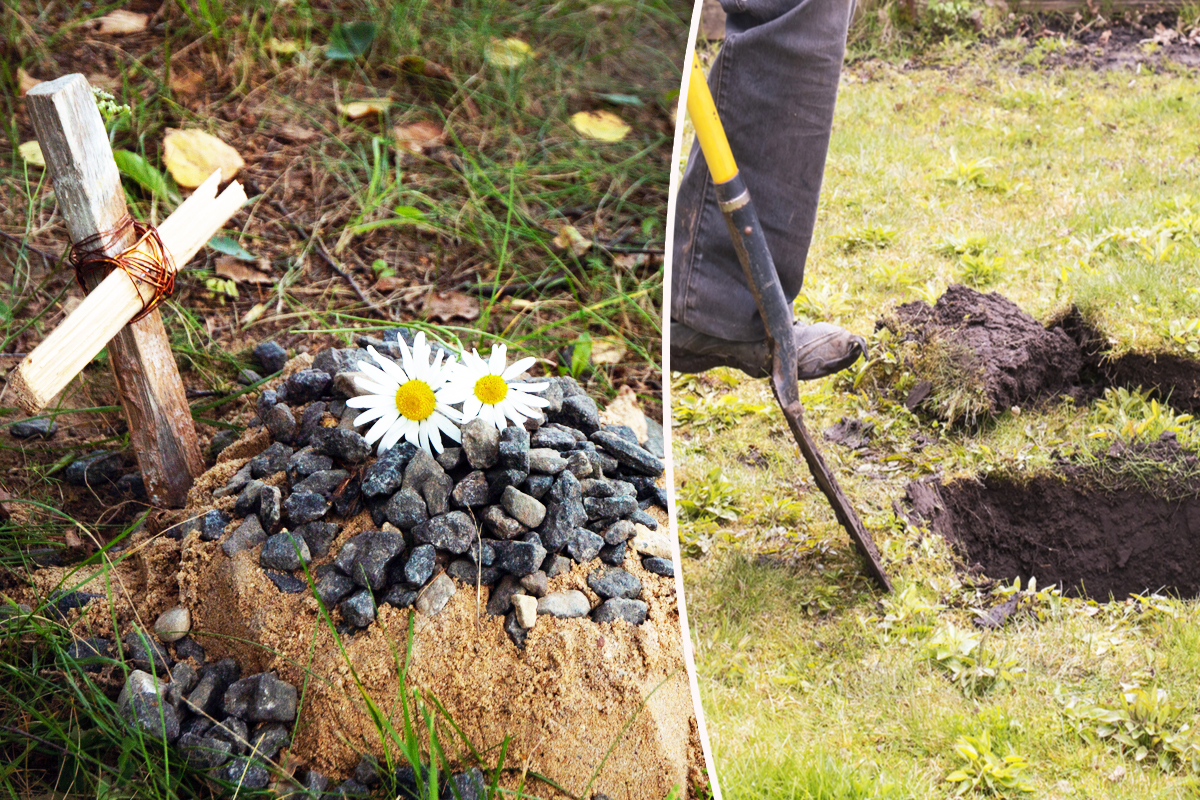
[(1016, 167), (351, 228)]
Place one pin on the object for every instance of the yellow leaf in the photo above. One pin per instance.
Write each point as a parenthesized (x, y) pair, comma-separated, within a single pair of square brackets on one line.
[(254, 313), (603, 125), (358, 109), (25, 82), (192, 155), (419, 136), (507, 53), (233, 269), (607, 350), (569, 237), (31, 151), (121, 21), (283, 47)]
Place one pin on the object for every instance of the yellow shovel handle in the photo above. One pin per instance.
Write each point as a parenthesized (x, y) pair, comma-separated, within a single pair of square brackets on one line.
[(708, 127)]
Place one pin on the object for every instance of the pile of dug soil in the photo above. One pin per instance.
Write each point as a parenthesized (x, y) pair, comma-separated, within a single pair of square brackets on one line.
[(986, 342), (1094, 533), (592, 694), (976, 355)]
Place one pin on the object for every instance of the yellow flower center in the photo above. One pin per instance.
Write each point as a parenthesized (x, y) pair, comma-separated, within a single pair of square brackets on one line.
[(415, 400), (491, 389)]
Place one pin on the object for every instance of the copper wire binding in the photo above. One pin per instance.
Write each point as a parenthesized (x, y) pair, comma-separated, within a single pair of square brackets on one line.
[(146, 261)]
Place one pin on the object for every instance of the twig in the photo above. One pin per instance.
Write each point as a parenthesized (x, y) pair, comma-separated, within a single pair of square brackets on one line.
[(50, 260)]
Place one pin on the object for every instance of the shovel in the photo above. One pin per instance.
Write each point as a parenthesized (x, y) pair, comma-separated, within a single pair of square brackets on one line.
[(751, 247)]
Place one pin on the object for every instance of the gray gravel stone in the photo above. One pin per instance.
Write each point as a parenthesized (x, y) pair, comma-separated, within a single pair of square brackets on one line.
[(659, 566), (570, 604), (318, 536), (562, 520), (245, 773), (26, 429), (420, 469), (609, 507), (418, 569), (305, 462), (555, 565), (536, 583), (453, 531), (89, 654), (284, 551), (436, 492), (536, 486), (400, 597), (514, 449), (450, 458), (268, 739), (471, 491), (610, 582), (516, 632), (288, 584), (628, 452), (203, 752), (141, 704), (358, 609), (301, 507), (332, 587), (374, 558), (584, 545), (553, 437), (546, 461), (598, 487), (145, 652), (642, 518), (481, 443), (248, 377), (270, 507), (273, 459), (206, 697), (212, 525), (523, 508), (614, 554), (406, 509), (307, 385), (247, 501), (632, 611), (323, 482), (519, 558), (501, 524), (341, 444), (220, 441), (261, 698), (619, 531), (281, 423), (386, 475), (434, 597), (579, 411), (97, 468), (271, 357)]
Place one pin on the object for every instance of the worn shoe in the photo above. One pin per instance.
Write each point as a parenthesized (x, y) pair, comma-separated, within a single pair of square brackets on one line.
[(821, 349)]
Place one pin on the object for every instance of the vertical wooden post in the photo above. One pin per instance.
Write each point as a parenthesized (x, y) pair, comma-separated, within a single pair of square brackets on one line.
[(91, 199)]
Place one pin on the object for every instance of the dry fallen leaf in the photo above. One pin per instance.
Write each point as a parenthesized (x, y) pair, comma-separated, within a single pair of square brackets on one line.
[(507, 53), (1104, 37), (390, 283), (571, 238), (624, 410), (192, 155), (419, 136), (236, 270), (357, 109), (186, 82), (297, 133), (25, 82), (31, 152), (445, 306), (121, 21), (283, 47), (631, 260), (254, 313), (603, 125), (607, 350)]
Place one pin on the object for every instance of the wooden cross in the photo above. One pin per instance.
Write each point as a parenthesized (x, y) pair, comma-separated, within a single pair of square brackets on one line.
[(92, 201)]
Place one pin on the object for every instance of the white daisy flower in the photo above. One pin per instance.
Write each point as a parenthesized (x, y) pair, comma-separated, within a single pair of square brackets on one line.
[(407, 402), (487, 389)]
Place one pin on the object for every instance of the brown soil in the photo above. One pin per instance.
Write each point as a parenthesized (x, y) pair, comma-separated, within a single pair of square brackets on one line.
[(1119, 45), (1074, 528)]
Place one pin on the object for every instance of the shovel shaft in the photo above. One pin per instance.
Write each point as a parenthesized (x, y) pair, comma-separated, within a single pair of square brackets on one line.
[(750, 243)]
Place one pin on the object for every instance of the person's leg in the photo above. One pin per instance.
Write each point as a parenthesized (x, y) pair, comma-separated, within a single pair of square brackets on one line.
[(775, 85)]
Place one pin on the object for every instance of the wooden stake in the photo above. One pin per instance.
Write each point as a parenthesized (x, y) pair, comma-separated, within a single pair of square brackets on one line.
[(117, 299), (92, 200)]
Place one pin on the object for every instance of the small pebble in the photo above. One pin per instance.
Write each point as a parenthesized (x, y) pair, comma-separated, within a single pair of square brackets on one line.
[(526, 609), (434, 597), (173, 624), (44, 427), (271, 356)]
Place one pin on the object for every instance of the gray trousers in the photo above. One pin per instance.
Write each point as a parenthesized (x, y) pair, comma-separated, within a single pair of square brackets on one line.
[(775, 84)]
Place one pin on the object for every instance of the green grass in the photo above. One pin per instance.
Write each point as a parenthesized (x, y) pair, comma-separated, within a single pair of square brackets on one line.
[(814, 685)]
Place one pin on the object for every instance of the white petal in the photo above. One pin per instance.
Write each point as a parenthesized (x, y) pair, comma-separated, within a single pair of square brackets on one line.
[(447, 427), (517, 367), (471, 407), (396, 432), (380, 377), (370, 414), (381, 428), (394, 371), (496, 362)]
